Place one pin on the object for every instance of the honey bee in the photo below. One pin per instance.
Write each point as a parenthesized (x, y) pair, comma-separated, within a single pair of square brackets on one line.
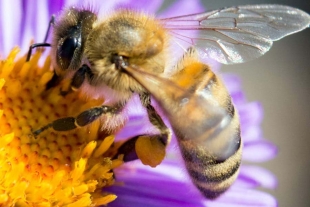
[(127, 54)]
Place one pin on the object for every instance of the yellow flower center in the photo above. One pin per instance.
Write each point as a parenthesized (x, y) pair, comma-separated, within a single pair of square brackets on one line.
[(54, 168)]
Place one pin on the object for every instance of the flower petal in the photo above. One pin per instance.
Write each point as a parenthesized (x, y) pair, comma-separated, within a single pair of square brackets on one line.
[(10, 22), (251, 133), (146, 6), (233, 81), (251, 114), (145, 187), (258, 175), (236, 197), (233, 85), (34, 24), (55, 6), (177, 8), (259, 151)]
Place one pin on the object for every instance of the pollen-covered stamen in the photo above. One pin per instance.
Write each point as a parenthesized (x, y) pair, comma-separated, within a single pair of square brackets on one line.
[(58, 168)]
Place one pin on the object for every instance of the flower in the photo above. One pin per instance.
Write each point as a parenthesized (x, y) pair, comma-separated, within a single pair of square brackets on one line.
[(67, 168), (53, 168)]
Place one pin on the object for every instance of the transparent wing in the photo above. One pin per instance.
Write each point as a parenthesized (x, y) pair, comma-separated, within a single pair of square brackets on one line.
[(237, 34)]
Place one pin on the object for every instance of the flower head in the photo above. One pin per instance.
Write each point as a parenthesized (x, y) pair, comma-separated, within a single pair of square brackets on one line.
[(74, 168), (66, 168)]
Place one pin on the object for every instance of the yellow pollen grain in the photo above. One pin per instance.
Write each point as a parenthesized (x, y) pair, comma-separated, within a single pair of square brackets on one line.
[(9, 64), (106, 199), (88, 150), (6, 139), (45, 68), (2, 81), (80, 189), (83, 201), (24, 71), (117, 162), (45, 78), (79, 169), (53, 168), (94, 127)]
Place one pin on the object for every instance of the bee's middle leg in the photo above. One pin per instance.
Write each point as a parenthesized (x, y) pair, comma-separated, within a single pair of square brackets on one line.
[(150, 149), (83, 119)]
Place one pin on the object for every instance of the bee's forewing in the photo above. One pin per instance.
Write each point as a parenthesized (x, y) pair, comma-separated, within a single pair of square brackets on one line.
[(237, 34)]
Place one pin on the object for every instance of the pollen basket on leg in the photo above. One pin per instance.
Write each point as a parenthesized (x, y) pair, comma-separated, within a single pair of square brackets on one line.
[(53, 168)]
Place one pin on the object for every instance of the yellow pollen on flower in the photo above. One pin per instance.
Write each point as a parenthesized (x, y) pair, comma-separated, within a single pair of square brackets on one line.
[(54, 168)]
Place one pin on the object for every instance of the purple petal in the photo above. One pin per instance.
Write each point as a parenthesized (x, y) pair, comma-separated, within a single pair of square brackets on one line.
[(238, 98), (244, 182), (232, 82), (236, 197), (68, 3), (258, 175), (250, 114), (183, 7), (233, 85), (55, 6), (144, 186), (251, 133), (35, 22), (10, 22), (259, 151), (135, 125), (105, 7), (150, 7)]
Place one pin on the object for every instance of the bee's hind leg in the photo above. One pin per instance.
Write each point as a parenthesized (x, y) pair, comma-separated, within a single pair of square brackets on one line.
[(150, 149)]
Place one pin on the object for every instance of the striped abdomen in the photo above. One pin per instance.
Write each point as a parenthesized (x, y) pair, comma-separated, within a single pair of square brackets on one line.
[(213, 154), (213, 158)]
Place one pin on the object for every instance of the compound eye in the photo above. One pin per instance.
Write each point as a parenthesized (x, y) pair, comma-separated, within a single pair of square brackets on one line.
[(66, 51)]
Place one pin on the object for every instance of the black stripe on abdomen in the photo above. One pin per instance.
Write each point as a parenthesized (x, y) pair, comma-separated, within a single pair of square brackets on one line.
[(211, 176)]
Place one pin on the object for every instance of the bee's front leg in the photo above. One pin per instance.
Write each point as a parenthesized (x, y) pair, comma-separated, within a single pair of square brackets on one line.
[(150, 149), (43, 44), (78, 79)]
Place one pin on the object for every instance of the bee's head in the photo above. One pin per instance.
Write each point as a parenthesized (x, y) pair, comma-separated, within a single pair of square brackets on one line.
[(70, 34)]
